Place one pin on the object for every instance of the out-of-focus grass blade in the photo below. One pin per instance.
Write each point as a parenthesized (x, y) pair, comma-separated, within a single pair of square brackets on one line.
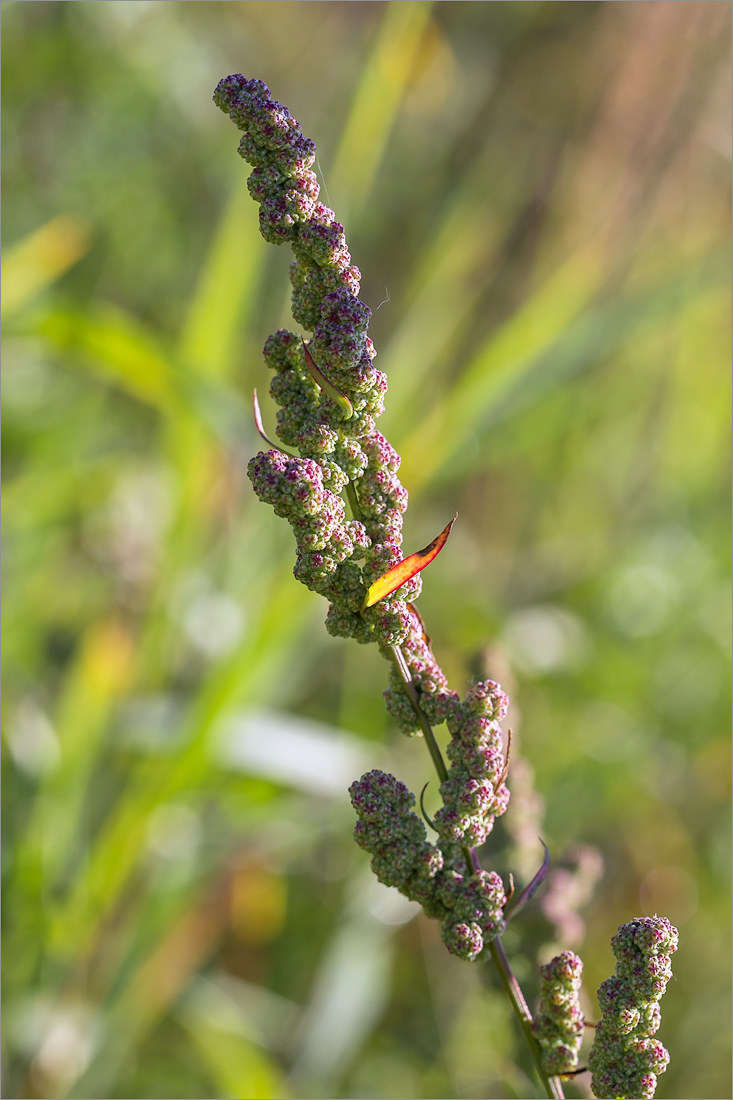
[(242, 1008), (158, 982), (407, 568), (287, 749), (120, 842), (560, 331), (444, 288), (238, 1066), (387, 69), (116, 347), (54, 839), (237, 1063), (505, 356), (226, 290), (348, 995), (98, 677), (34, 263)]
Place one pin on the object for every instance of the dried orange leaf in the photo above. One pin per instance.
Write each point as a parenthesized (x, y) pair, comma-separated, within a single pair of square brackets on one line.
[(407, 568), (328, 387), (259, 427)]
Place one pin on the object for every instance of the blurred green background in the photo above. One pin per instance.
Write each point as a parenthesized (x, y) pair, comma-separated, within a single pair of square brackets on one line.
[(538, 196)]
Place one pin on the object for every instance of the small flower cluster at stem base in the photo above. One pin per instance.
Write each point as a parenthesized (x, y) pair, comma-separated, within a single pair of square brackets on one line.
[(626, 1059), (558, 1026), (470, 907)]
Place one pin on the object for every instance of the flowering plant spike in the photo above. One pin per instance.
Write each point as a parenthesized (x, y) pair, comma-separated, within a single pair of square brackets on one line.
[(330, 396), (559, 1022), (626, 1059)]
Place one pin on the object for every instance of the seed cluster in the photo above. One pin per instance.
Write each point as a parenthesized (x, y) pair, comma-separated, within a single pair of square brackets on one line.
[(474, 793), (558, 1025), (326, 541), (476, 913), (626, 1059), (339, 437), (469, 907)]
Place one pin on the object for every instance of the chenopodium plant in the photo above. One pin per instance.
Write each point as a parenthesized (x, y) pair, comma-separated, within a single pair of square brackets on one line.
[(330, 395)]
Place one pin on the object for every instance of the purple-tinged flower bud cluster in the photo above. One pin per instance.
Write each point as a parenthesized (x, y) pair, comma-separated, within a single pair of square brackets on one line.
[(383, 501), (287, 190), (471, 908), (282, 182), (626, 1059), (476, 903), (325, 539), (292, 387), (325, 288), (474, 793), (342, 350), (314, 423), (311, 283), (395, 837), (558, 1025), (343, 442), (390, 621)]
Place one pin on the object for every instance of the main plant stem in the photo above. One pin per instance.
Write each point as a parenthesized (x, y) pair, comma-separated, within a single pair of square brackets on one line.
[(433, 748), (551, 1085)]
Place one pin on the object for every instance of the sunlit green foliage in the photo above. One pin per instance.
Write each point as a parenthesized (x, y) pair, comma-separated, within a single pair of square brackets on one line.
[(537, 195)]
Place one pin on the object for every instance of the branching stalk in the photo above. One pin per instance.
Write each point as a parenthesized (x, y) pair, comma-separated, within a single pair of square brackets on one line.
[(551, 1085)]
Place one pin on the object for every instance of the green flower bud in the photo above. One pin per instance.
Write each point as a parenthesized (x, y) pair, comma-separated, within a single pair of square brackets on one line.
[(558, 1026)]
